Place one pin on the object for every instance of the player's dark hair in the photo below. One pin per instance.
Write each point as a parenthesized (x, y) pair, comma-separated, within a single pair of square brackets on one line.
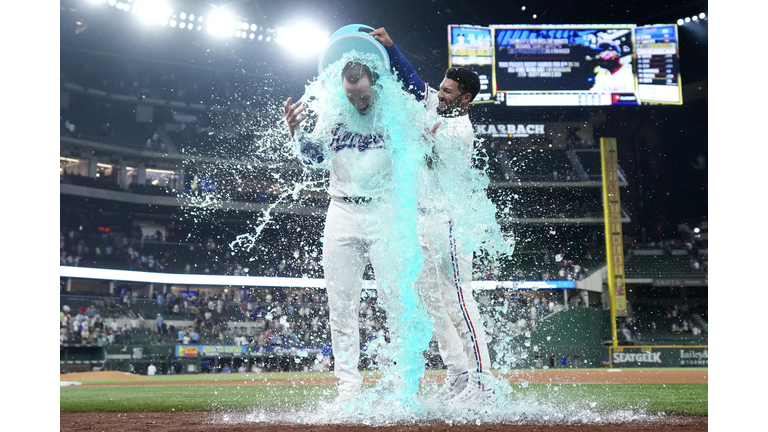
[(467, 80), (354, 71)]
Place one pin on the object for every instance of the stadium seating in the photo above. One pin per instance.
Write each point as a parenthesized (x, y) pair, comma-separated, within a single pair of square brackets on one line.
[(660, 265)]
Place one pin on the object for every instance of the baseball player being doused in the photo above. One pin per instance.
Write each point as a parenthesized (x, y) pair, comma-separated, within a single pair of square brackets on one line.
[(369, 134)]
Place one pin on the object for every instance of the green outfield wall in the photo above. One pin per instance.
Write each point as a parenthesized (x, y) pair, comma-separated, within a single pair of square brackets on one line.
[(576, 334)]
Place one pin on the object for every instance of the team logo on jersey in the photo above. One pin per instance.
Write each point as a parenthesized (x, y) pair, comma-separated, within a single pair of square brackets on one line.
[(344, 139)]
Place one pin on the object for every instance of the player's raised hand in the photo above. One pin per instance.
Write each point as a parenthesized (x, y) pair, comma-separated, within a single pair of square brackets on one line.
[(381, 35), (430, 133), (291, 114), (431, 159)]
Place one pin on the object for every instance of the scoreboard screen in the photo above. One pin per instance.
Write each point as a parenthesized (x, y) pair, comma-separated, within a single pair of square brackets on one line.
[(472, 47), (570, 65), (658, 64), (564, 65)]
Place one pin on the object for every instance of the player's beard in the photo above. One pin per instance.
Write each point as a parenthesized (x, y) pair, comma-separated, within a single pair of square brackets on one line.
[(451, 108)]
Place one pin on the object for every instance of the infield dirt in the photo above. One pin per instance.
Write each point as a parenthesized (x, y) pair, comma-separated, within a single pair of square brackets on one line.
[(540, 376)]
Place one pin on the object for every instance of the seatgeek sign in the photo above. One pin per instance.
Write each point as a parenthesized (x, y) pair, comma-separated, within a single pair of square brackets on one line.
[(651, 356)]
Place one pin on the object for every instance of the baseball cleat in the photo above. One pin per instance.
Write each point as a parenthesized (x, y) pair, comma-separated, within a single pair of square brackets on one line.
[(343, 399), (453, 386), (474, 396)]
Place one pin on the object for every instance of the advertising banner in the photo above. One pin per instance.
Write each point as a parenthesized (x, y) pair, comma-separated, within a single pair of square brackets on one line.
[(659, 356), (210, 350)]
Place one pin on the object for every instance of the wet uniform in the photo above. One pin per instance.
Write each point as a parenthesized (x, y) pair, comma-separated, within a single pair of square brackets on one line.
[(445, 279), (360, 188)]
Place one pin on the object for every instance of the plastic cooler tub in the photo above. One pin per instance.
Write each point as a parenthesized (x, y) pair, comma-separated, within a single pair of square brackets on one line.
[(348, 38)]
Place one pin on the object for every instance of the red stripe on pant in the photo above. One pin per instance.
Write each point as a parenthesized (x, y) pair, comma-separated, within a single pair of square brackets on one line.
[(460, 293)]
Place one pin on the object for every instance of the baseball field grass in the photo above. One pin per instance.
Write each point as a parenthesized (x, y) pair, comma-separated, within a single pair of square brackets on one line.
[(271, 392)]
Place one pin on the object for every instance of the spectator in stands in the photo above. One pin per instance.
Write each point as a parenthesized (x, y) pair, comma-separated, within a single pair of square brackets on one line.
[(126, 334), (98, 324), (84, 334), (168, 365), (159, 324)]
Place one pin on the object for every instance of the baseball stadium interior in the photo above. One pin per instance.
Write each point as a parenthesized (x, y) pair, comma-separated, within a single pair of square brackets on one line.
[(160, 180)]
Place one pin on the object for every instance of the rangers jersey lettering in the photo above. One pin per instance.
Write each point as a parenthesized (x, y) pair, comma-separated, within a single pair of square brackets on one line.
[(344, 139)]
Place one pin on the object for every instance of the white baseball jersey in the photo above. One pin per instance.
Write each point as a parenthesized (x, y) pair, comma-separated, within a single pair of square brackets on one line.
[(360, 164), (446, 276), (453, 134)]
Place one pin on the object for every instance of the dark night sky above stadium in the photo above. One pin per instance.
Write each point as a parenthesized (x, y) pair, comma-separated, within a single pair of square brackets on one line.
[(418, 27)]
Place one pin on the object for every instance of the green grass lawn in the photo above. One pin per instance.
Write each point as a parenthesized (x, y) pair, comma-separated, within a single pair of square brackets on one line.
[(684, 399)]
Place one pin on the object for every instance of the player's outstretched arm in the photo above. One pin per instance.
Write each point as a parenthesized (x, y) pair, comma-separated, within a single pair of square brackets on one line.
[(401, 66), (292, 114), (309, 151)]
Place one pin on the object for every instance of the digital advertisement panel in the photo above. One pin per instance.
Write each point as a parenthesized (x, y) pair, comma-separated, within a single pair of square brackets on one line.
[(563, 65), (472, 47), (658, 64)]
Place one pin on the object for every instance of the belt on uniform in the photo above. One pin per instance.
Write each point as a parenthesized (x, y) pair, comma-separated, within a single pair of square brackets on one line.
[(360, 200)]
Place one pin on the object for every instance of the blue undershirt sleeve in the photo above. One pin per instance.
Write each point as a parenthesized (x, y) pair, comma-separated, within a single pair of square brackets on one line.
[(406, 73), (309, 152)]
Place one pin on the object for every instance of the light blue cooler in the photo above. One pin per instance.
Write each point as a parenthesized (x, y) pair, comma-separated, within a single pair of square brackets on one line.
[(348, 38)]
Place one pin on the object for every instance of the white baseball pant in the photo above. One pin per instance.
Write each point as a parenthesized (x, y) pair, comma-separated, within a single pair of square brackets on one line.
[(444, 284), (355, 233)]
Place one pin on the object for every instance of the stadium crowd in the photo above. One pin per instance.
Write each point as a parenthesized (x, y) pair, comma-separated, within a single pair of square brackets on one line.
[(274, 318)]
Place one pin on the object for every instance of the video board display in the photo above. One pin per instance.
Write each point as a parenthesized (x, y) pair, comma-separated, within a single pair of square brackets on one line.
[(472, 47), (564, 65), (658, 64), (570, 65)]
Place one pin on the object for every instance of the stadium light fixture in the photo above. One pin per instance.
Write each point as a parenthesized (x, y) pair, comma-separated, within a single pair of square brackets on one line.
[(221, 23), (687, 19), (702, 15), (680, 22), (694, 18), (153, 12), (302, 39)]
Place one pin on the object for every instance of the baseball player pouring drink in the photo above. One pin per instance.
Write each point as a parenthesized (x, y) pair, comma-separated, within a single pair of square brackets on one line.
[(445, 279)]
